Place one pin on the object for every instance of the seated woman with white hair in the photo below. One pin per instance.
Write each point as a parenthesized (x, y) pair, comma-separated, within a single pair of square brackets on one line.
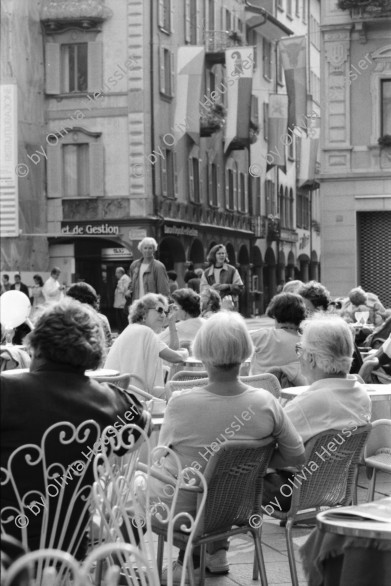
[(138, 349), (334, 399), (197, 417), (148, 274)]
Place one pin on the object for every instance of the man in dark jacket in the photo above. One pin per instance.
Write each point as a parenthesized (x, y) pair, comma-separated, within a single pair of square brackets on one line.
[(19, 286)]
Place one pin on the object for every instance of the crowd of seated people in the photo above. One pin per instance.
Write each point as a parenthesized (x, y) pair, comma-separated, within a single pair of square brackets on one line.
[(308, 340)]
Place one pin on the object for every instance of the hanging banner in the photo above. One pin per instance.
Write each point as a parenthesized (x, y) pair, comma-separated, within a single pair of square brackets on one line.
[(9, 168), (189, 81), (309, 154), (294, 62), (239, 64), (277, 131)]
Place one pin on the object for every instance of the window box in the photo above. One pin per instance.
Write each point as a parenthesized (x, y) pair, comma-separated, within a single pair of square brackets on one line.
[(254, 132), (212, 120), (385, 141)]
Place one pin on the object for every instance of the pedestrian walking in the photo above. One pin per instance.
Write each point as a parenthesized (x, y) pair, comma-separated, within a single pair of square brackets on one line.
[(120, 301), (222, 277), (148, 274), (52, 289), (37, 296)]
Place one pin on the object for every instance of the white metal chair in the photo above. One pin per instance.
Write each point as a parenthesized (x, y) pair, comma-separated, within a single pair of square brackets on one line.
[(44, 567), (377, 452), (121, 380), (125, 510), (55, 506)]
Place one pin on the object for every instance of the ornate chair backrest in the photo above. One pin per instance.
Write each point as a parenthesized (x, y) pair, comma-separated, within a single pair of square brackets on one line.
[(329, 476), (122, 380), (51, 567), (266, 381), (47, 488), (124, 497)]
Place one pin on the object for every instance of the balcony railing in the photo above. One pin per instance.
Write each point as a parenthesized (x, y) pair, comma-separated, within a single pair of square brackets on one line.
[(366, 9), (219, 41)]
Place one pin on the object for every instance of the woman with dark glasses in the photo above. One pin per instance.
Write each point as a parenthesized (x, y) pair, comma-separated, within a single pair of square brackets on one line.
[(138, 349)]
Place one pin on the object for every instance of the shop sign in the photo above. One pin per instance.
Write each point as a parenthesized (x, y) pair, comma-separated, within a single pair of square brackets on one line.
[(90, 229), (116, 254), (137, 233), (180, 231), (288, 235)]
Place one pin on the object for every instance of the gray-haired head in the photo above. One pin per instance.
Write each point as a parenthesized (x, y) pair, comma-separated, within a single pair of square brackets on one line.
[(223, 341), (329, 339)]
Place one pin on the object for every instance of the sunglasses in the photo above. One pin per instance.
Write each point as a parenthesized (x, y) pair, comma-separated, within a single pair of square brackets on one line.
[(161, 310)]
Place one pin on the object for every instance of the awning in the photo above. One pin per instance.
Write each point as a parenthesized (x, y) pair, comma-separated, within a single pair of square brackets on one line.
[(256, 16)]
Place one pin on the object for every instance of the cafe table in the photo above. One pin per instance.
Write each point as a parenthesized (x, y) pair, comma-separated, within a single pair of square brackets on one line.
[(380, 397), (100, 372), (351, 546)]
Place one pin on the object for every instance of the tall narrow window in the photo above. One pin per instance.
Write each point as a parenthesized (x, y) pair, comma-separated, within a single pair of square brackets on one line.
[(231, 189), (169, 173), (213, 185), (228, 25), (289, 8), (194, 176), (165, 15), (385, 106), (265, 120), (267, 59), (166, 72), (74, 67), (242, 192), (211, 15), (76, 170)]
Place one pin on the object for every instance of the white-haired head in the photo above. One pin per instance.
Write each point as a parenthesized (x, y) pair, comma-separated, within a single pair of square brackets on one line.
[(329, 340), (223, 341), (149, 241)]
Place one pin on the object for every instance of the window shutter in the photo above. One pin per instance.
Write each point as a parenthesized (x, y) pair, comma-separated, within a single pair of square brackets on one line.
[(254, 109), (95, 62), (172, 16), (210, 183), (161, 70), (187, 21), (226, 203), (174, 163), (245, 193), (161, 13), (198, 24), (191, 178), (54, 171), (96, 169), (163, 173), (236, 180), (172, 74), (265, 120), (52, 68)]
